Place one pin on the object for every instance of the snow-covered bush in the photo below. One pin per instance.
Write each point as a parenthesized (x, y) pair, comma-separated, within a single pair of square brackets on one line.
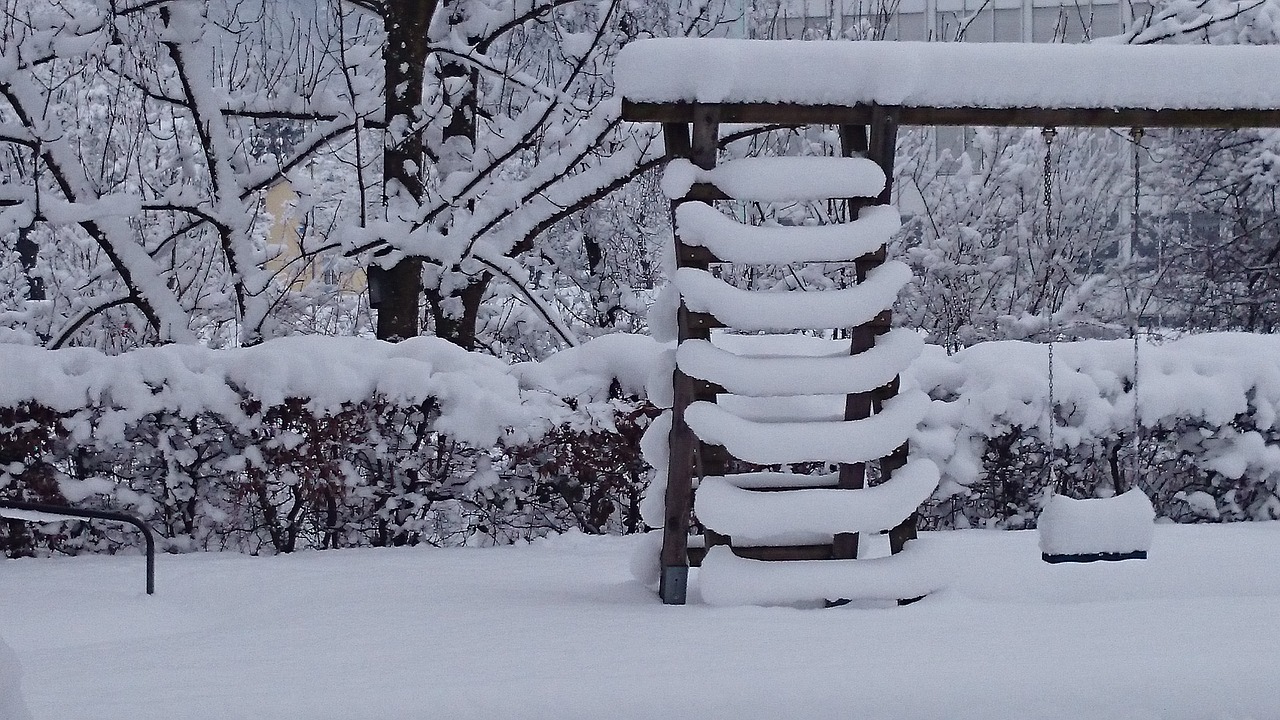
[(320, 442), (326, 442), (1208, 445)]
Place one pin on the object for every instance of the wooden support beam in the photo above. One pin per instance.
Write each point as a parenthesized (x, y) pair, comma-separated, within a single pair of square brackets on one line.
[(706, 135), (784, 552), (765, 113), (883, 144), (678, 499), (699, 144), (877, 145)]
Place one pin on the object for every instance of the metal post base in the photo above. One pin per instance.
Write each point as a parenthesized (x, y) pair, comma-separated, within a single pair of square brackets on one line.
[(675, 584)]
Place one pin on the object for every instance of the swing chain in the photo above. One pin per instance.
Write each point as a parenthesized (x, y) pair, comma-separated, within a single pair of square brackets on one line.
[(1135, 135), (1137, 423), (1053, 420), (1049, 134)]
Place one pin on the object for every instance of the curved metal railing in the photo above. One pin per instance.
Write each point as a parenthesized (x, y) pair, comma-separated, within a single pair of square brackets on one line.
[(72, 512)]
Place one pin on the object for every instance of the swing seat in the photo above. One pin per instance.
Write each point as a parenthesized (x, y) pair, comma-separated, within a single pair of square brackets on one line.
[(1093, 557), (1097, 529)]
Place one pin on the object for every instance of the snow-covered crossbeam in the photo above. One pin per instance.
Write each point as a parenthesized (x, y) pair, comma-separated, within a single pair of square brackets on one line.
[(773, 443), (818, 310), (779, 179), (1055, 77), (773, 376), (731, 241), (726, 579), (772, 518)]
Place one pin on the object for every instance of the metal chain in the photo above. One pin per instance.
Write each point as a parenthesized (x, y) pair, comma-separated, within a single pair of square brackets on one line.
[(1135, 134), (1053, 420), (1137, 427), (1049, 134)]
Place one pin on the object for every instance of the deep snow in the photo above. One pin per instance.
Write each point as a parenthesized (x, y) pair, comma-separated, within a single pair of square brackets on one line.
[(559, 629)]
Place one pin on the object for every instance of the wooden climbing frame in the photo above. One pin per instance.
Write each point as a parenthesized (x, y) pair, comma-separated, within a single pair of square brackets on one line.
[(869, 130), (692, 132)]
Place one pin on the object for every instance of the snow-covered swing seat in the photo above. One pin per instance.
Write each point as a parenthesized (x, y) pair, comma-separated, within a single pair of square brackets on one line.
[(1119, 527), (782, 538)]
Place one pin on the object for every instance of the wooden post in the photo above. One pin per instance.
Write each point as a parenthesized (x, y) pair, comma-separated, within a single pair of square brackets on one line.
[(883, 150), (678, 498), (685, 448), (879, 148), (853, 476), (884, 145)]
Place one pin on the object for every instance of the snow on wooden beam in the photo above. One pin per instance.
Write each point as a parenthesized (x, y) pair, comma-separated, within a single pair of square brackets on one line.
[(747, 310), (779, 179), (729, 580), (777, 443), (1008, 84), (968, 116), (773, 376), (798, 516), (698, 223)]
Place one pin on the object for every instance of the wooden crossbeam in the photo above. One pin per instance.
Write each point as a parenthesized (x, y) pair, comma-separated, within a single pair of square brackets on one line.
[(996, 117)]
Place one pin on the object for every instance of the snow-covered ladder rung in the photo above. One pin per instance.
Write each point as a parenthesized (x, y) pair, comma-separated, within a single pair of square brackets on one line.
[(772, 376), (776, 179), (709, 236), (728, 579), (795, 309)]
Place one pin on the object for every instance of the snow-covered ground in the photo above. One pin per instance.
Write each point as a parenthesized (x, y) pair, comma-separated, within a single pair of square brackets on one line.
[(559, 629)]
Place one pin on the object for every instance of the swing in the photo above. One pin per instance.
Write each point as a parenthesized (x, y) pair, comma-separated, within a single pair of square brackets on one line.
[(1095, 529)]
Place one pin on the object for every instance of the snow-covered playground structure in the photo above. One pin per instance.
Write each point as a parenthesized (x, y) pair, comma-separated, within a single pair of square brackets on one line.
[(731, 393)]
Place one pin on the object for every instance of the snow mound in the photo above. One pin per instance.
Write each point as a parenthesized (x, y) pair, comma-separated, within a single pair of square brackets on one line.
[(1121, 524), (12, 706), (646, 560), (588, 370)]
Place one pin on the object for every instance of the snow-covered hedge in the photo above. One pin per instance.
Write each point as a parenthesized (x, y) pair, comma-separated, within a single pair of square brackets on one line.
[(1208, 445), (324, 442)]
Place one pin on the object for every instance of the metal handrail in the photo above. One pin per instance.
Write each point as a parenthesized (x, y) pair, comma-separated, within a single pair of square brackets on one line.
[(94, 515)]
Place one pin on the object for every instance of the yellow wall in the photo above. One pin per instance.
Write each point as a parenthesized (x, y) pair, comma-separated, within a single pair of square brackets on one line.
[(284, 233)]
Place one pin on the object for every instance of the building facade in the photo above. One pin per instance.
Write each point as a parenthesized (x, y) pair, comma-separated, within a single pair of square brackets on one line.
[(941, 20)]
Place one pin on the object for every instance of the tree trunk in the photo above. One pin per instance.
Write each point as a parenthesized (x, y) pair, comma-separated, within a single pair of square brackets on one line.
[(458, 328), (27, 254), (455, 315), (404, 61)]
